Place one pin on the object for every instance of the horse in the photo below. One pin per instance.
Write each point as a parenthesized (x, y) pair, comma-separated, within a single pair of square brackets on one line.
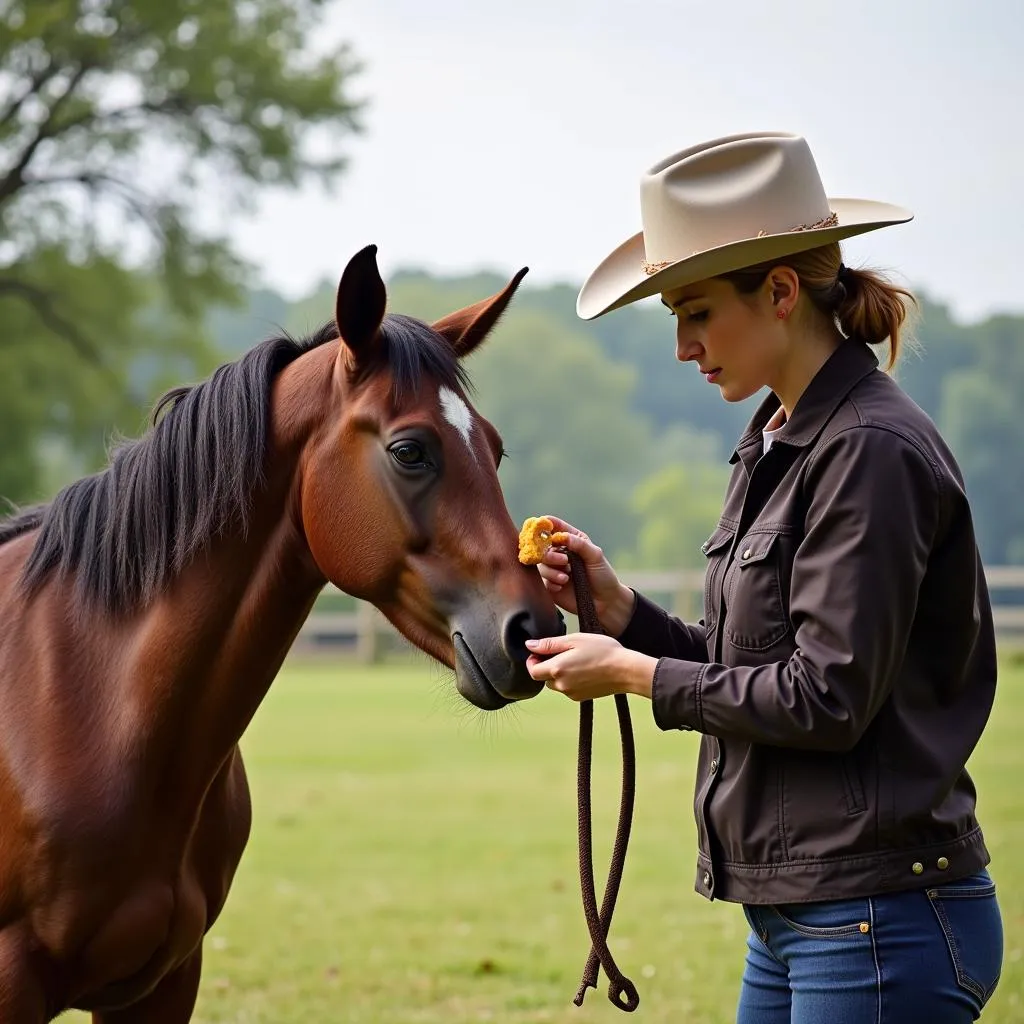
[(146, 610)]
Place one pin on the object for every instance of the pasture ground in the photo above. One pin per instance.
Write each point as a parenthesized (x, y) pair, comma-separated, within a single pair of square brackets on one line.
[(412, 862)]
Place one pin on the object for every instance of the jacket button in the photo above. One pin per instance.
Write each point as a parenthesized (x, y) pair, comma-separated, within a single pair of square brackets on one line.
[(942, 863), (707, 878), (747, 553), (917, 867), (865, 927), (714, 767)]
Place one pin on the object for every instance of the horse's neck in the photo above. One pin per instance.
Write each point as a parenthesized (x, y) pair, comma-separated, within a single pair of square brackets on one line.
[(225, 627)]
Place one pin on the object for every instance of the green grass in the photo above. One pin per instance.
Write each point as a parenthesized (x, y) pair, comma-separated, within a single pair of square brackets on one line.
[(412, 863)]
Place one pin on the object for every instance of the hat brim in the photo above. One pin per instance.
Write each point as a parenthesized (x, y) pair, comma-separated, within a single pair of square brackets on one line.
[(620, 278)]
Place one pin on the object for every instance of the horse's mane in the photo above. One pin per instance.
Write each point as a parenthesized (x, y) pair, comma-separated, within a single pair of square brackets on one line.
[(129, 529)]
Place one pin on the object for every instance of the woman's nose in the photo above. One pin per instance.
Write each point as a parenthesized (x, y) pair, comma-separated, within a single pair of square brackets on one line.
[(687, 349)]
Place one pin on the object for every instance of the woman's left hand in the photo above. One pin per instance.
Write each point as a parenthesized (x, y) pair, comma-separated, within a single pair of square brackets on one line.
[(585, 666)]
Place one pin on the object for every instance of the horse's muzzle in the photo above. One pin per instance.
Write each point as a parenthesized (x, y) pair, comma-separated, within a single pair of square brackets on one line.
[(491, 675)]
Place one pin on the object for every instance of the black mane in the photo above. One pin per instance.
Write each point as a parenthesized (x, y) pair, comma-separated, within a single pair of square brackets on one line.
[(129, 529)]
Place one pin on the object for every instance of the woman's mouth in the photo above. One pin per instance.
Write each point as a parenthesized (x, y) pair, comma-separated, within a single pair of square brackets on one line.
[(712, 375)]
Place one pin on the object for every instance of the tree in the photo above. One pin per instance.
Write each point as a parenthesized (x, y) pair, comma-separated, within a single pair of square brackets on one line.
[(678, 507), (575, 447), (937, 349), (981, 419), (119, 120)]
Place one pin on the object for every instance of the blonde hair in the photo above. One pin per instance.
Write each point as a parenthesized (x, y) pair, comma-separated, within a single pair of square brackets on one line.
[(864, 304)]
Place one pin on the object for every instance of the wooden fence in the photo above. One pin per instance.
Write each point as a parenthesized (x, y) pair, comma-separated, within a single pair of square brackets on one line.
[(340, 625)]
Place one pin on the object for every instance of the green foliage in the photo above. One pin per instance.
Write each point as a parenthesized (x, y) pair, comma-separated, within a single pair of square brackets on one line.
[(678, 507), (60, 402), (563, 409), (114, 116), (937, 349), (981, 416)]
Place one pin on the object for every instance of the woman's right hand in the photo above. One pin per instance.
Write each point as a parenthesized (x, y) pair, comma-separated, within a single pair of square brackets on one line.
[(613, 601)]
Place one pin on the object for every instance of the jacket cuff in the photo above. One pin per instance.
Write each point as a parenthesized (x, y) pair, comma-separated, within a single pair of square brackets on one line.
[(646, 621), (675, 694)]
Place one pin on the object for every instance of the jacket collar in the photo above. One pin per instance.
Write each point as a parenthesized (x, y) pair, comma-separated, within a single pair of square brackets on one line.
[(850, 363)]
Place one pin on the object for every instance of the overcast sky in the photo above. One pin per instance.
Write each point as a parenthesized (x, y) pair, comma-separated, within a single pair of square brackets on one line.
[(513, 134)]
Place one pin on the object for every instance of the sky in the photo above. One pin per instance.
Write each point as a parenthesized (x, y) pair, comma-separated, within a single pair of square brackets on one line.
[(502, 135)]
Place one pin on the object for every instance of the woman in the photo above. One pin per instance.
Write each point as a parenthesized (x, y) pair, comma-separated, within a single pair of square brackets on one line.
[(845, 666)]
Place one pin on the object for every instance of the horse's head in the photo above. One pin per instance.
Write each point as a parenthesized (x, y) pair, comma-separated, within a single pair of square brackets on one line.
[(400, 499)]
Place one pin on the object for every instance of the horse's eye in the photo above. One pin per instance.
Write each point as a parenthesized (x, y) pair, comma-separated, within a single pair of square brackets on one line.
[(408, 453)]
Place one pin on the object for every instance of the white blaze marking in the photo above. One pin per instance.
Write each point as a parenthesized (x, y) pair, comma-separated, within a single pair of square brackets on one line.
[(457, 413)]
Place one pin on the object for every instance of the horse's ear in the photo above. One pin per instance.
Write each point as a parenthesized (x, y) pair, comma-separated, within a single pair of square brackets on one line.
[(360, 303), (466, 328)]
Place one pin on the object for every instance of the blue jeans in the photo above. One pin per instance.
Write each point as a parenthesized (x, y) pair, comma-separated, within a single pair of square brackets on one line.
[(931, 955)]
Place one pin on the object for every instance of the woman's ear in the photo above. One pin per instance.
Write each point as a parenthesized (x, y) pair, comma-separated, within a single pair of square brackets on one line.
[(783, 284)]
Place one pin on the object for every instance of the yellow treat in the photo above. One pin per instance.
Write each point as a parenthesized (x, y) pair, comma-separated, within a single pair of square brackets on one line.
[(536, 537)]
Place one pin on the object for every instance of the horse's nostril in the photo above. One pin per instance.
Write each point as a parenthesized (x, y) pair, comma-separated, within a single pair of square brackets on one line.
[(515, 634), (522, 626)]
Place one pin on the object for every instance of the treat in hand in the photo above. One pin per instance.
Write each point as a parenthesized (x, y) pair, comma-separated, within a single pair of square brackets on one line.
[(537, 537)]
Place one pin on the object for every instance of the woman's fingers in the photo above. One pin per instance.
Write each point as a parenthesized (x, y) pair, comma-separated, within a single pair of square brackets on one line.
[(562, 526), (556, 576)]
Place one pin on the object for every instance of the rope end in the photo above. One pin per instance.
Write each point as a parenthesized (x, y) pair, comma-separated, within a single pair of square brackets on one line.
[(582, 991)]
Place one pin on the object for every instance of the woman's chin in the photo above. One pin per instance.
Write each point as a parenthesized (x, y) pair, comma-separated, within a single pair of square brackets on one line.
[(733, 392)]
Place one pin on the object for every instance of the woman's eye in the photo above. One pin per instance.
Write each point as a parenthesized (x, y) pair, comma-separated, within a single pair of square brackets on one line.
[(696, 317), (408, 453)]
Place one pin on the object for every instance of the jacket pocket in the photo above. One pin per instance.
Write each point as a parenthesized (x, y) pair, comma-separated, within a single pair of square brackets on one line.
[(755, 616), (852, 785), (716, 550), (968, 914)]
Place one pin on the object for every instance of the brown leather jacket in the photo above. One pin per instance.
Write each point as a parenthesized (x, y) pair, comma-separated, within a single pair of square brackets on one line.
[(845, 666)]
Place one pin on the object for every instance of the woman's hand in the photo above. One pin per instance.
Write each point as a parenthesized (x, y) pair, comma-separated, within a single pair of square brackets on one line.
[(585, 666), (613, 601)]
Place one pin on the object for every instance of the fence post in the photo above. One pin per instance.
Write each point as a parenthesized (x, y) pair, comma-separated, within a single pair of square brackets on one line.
[(367, 637)]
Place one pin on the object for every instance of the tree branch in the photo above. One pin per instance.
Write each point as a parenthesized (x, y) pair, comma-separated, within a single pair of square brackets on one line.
[(42, 301), (14, 179), (96, 180), (38, 80)]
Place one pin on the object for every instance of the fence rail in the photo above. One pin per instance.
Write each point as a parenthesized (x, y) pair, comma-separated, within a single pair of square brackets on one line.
[(365, 634)]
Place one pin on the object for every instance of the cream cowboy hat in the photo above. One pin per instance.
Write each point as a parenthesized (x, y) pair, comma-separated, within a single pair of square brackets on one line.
[(721, 206)]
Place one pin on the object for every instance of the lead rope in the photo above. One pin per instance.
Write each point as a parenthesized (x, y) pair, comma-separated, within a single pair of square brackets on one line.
[(621, 991)]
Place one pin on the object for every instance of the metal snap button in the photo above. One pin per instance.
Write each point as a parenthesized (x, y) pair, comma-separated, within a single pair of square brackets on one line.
[(747, 553), (865, 927), (714, 767), (917, 867), (707, 878), (942, 863)]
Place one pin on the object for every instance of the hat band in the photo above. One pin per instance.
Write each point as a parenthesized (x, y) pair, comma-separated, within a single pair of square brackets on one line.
[(831, 221)]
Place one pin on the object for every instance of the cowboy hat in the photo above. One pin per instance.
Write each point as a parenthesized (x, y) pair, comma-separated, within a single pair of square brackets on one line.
[(723, 205)]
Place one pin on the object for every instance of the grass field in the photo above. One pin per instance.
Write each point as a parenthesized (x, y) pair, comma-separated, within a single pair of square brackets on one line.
[(412, 863)]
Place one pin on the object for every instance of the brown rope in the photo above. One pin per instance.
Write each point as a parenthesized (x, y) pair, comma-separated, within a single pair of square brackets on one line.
[(621, 991)]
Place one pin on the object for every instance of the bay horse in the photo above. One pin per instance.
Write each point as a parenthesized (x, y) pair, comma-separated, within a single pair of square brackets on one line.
[(145, 612)]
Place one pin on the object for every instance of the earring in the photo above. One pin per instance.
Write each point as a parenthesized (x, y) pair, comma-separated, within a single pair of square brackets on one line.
[(781, 314)]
